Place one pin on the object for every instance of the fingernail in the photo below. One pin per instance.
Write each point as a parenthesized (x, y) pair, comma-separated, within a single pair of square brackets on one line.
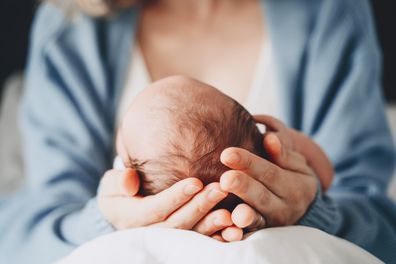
[(191, 189), (215, 195)]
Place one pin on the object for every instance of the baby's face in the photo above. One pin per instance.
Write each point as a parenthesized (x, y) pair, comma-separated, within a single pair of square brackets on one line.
[(177, 128)]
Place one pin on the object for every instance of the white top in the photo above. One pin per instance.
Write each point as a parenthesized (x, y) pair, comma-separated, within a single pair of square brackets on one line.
[(262, 97)]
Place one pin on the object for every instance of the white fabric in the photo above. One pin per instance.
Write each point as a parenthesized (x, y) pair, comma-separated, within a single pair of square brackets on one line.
[(296, 244), (262, 97), (138, 79)]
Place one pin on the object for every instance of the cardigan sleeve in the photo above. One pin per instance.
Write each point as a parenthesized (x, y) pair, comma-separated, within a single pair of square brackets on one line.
[(67, 148), (344, 112)]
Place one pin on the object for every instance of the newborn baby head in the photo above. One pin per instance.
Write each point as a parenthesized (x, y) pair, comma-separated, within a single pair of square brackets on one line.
[(177, 128)]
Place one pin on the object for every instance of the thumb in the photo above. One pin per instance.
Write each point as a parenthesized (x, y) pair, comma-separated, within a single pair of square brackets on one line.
[(131, 182), (273, 146)]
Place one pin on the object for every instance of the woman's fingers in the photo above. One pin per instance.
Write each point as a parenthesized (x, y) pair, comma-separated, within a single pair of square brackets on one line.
[(283, 156), (218, 237), (119, 183), (279, 144), (305, 156), (122, 212), (243, 215), (192, 212), (249, 190), (163, 204), (265, 172), (134, 211), (218, 225), (242, 159), (214, 222), (275, 126), (246, 217), (232, 234)]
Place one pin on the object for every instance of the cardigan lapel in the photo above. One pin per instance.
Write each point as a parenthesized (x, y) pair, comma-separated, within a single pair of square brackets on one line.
[(288, 26)]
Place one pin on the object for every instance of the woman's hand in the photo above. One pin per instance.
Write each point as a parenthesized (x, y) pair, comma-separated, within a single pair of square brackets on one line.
[(185, 205), (276, 193)]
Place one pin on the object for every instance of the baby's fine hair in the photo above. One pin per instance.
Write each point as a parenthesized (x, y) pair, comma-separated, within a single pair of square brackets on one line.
[(201, 133)]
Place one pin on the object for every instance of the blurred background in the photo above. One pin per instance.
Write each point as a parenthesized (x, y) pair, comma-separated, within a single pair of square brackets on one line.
[(16, 17), (15, 20)]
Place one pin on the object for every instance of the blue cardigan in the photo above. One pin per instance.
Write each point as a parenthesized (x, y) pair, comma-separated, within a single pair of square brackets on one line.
[(328, 62)]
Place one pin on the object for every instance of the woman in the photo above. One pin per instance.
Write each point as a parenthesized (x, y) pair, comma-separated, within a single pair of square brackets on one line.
[(318, 69)]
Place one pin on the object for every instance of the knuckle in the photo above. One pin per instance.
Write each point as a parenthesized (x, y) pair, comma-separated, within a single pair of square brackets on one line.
[(202, 228), (243, 187), (157, 214), (236, 178), (271, 174), (248, 162), (179, 224), (200, 209), (221, 213), (264, 198), (178, 199), (171, 224)]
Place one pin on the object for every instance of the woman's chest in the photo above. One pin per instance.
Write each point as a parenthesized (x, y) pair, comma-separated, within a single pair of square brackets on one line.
[(223, 53)]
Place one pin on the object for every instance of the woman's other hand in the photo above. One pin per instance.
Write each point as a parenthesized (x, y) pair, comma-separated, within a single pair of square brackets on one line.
[(185, 205), (276, 194), (295, 141)]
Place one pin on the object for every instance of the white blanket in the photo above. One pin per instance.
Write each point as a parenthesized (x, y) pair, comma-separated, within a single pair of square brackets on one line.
[(294, 244)]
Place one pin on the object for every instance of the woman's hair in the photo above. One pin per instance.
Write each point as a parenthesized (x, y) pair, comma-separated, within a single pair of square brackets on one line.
[(95, 7)]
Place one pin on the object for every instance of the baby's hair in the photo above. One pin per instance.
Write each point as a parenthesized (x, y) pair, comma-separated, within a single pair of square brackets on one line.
[(198, 139)]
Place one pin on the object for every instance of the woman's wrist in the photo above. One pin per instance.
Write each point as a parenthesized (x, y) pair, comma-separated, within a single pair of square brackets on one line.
[(323, 213)]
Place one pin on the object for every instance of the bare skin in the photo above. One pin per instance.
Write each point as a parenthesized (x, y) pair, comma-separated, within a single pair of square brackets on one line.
[(276, 193), (196, 50), (144, 134), (187, 37)]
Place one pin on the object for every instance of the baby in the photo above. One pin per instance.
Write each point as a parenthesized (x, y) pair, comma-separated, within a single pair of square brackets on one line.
[(177, 128)]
